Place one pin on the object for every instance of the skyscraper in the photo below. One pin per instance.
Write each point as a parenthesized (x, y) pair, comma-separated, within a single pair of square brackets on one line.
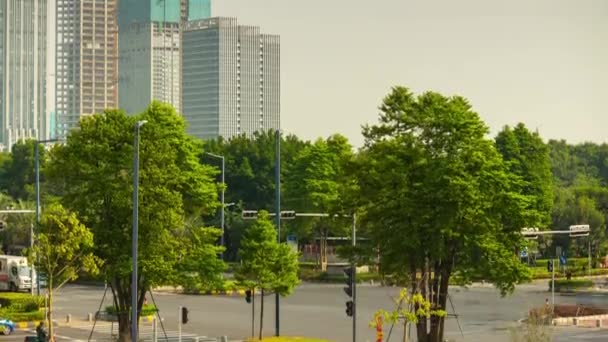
[(86, 74), (231, 78), (150, 50), (23, 70)]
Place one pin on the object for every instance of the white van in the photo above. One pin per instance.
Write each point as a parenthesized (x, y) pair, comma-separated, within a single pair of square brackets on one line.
[(15, 273)]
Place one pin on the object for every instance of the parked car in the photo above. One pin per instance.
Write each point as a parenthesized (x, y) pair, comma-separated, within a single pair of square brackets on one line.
[(6, 326)]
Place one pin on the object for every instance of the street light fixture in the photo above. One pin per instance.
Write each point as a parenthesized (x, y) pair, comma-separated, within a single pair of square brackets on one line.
[(37, 157), (134, 322)]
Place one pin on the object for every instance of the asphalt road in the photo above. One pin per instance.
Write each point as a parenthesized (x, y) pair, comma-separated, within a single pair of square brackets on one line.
[(318, 311)]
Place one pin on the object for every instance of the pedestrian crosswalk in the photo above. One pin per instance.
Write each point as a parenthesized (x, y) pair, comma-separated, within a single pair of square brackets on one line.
[(109, 332)]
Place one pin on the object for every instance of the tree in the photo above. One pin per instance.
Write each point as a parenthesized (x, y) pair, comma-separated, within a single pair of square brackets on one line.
[(64, 250), (437, 199), (266, 264), (250, 175), (527, 156), (93, 173), (18, 175), (318, 181), (17, 234)]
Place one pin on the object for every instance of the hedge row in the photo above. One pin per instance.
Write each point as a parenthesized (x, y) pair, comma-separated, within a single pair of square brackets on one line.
[(37, 315), (20, 302), (572, 284)]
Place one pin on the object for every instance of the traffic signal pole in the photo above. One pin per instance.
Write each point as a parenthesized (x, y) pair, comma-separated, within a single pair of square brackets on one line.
[(278, 218), (354, 266)]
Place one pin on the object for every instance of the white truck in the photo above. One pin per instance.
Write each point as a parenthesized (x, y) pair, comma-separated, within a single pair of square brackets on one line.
[(15, 274)]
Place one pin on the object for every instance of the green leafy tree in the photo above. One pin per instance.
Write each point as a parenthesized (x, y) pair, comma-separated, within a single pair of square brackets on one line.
[(64, 250), (17, 234), (18, 174), (319, 181), (527, 156), (267, 265), (437, 199), (93, 172), (250, 176)]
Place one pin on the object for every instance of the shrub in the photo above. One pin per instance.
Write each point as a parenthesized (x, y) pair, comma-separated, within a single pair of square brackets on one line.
[(571, 284), (37, 315), (20, 302)]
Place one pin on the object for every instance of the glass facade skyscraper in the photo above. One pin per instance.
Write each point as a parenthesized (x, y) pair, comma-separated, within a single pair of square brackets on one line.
[(23, 70), (231, 78), (150, 50), (86, 58)]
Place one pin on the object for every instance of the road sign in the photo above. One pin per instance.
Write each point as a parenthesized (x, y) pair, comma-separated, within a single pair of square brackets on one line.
[(292, 241), (579, 230), (530, 233), (562, 260)]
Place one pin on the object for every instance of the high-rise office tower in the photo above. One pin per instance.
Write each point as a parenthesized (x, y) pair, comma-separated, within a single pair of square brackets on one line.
[(150, 50), (24, 70), (86, 68), (231, 78)]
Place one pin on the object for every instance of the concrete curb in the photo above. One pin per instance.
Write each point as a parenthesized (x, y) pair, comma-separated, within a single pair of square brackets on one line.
[(26, 325)]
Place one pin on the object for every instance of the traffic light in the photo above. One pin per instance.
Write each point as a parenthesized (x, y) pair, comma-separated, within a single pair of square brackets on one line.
[(248, 296), (184, 315), (349, 308), (348, 272), (249, 214), (550, 265), (288, 215), (2, 225)]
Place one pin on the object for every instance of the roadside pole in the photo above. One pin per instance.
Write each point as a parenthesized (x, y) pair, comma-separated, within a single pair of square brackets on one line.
[(179, 324), (253, 313), (354, 267), (552, 285)]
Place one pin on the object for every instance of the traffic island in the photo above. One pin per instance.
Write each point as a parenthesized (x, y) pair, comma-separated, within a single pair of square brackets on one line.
[(574, 315)]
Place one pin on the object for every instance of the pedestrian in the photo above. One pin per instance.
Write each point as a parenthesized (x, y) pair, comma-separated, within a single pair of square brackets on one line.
[(41, 332), (145, 300)]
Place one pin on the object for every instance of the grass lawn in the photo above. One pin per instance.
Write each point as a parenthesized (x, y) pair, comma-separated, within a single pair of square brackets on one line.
[(289, 339)]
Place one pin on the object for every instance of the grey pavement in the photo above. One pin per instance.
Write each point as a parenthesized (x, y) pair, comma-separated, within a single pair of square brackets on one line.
[(319, 311)]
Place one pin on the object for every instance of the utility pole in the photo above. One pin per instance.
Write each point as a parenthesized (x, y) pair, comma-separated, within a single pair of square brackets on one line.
[(134, 279), (354, 267), (37, 167), (278, 218)]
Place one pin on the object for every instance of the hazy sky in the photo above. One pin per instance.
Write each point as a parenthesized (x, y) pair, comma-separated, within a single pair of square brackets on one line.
[(541, 62)]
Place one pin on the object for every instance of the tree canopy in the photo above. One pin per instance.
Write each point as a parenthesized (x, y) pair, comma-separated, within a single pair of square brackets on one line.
[(93, 172), (439, 198)]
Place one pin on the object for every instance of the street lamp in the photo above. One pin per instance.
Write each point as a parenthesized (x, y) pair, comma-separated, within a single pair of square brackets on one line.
[(37, 157), (138, 125), (222, 198)]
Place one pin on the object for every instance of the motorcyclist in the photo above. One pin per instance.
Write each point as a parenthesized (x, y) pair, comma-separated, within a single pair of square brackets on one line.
[(41, 332)]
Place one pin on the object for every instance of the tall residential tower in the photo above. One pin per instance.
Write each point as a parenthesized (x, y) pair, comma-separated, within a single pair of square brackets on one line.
[(86, 68), (150, 50), (231, 78), (24, 70)]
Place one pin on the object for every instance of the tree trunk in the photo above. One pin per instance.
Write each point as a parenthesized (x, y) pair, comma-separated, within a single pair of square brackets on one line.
[(121, 290), (421, 325), (50, 308), (261, 314)]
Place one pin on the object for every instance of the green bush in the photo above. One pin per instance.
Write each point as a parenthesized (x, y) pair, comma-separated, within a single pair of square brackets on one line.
[(37, 315), (20, 302), (572, 284), (146, 310)]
